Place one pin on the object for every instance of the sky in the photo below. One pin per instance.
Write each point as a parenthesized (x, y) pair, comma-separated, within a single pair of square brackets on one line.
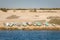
[(29, 3)]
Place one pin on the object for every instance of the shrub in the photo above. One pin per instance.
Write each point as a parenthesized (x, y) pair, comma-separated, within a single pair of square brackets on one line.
[(13, 17), (33, 10), (3, 9), (55, 21)]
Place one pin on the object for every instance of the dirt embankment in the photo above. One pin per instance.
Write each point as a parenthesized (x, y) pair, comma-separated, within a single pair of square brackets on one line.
[(29, 28)]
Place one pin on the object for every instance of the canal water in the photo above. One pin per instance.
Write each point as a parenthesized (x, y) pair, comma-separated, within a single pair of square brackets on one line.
[(29, 35)]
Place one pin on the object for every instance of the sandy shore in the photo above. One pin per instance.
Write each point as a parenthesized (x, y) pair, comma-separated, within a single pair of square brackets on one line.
[(26, 16), (30, 28)]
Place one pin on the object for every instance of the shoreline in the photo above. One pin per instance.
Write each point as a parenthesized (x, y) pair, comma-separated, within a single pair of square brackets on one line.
[(13, 17), (28, 28)]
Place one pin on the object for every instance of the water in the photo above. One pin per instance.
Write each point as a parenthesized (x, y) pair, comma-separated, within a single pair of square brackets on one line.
[(29, 35)]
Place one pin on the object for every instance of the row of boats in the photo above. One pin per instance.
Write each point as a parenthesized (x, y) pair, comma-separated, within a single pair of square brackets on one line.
[(10, 24)]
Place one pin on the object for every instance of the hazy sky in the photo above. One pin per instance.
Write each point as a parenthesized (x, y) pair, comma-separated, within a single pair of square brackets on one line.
[(30, 3)]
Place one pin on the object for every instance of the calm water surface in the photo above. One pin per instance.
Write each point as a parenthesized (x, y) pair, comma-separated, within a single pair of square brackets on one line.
[(29, 35)]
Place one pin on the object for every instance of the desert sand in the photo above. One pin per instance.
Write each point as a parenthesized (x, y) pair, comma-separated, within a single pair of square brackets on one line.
[(27, 16)]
